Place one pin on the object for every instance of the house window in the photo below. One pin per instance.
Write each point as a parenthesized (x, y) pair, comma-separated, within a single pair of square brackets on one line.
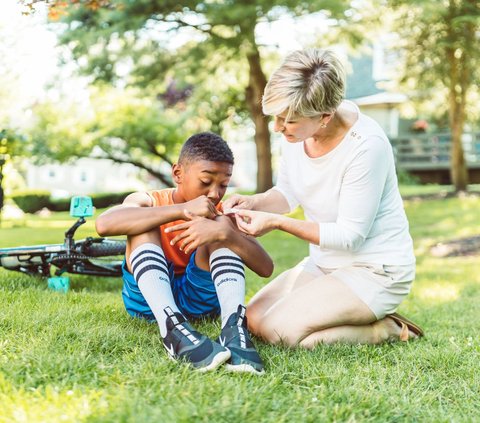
[(83, 176)]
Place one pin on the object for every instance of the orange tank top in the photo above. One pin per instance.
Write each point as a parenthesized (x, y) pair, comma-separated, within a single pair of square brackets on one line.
[(164, 197)]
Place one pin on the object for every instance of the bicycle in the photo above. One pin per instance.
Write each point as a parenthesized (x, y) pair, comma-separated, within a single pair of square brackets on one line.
[(89, 256)]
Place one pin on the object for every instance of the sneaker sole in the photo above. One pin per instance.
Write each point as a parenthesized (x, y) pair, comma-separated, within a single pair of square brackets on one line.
[(217, 361), (244, 368)]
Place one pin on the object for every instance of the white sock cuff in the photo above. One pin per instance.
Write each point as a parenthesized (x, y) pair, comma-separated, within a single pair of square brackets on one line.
[(148, 257), (223, 252), (143, 247)]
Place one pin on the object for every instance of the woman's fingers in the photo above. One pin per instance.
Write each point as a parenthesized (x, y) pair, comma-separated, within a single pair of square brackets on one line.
[(231, 202), (242, 224)]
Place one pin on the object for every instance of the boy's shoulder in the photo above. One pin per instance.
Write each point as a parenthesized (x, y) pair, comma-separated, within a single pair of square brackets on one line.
[(161, 197)]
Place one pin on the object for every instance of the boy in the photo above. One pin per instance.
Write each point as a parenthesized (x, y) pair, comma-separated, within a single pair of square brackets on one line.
[(171, 275)]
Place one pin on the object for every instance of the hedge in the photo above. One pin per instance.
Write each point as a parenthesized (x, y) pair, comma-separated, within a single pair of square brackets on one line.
[(35, 200), (32, 200)]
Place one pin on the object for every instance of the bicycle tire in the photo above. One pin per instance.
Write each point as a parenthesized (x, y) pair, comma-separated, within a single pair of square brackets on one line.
[(104, 248)]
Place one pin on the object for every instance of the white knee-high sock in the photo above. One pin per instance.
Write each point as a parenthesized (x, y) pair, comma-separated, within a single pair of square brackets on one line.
[(228, 275), (150, 270)]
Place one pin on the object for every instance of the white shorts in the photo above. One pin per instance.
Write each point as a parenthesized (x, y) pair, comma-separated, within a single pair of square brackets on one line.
[(381, 287)]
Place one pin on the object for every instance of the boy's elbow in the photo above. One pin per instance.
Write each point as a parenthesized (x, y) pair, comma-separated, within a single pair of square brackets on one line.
[(101, 227), (267, 269)]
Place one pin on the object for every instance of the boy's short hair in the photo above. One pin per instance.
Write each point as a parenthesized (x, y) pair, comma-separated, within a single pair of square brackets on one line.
[(206, 146)]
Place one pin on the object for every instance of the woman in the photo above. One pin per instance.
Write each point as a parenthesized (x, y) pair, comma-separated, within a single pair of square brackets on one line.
[(338, 165)]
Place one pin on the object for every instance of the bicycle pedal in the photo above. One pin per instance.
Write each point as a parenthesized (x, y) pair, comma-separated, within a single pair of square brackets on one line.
[(59, 284)]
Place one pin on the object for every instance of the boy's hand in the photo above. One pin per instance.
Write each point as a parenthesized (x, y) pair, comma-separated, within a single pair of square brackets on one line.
[(200, 231), (201, 206)]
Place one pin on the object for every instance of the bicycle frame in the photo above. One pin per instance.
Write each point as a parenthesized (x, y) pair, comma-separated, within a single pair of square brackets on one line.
[(72, 256)]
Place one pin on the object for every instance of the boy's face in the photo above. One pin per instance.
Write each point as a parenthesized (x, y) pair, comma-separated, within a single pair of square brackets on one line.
[(202, 177)]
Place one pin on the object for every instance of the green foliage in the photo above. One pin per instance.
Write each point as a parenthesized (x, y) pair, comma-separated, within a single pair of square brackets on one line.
[(100, 200), (108, 199), (59, 204), (11, 145), (406, 178), (31, 201), (60, 131), (121, 125), (439, 41)]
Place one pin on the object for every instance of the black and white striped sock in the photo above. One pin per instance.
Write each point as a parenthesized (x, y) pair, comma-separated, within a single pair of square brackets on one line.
[(150, 270), (228, 275)]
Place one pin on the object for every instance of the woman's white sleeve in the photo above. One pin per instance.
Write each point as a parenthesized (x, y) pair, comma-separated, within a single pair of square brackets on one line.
[(360, 195)]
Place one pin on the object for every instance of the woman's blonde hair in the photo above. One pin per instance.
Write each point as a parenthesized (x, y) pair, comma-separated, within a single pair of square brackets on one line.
[(309, 83)]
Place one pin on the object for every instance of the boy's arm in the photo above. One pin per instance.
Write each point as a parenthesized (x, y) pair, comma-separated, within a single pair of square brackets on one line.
[(199, 231), (251, 252), (137, 214)]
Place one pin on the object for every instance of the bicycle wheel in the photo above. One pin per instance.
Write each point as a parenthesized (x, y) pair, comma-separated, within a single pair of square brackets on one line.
[(103, 247)]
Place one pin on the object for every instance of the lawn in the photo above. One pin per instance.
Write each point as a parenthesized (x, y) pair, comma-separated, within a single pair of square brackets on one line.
[(78, 357)]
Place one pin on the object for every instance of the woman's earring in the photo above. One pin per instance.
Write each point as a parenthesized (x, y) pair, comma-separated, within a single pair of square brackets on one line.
[(323, 125)]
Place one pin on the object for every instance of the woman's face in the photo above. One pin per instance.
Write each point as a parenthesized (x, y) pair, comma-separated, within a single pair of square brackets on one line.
[(297, 129)]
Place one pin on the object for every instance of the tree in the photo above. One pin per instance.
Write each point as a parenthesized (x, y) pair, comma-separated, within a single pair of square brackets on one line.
[(126, 32), (9, 146), (117, 125), (441, 44)]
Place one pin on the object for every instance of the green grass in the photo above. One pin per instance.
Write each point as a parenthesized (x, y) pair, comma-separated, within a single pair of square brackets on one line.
[(432, 189), (78, 357)]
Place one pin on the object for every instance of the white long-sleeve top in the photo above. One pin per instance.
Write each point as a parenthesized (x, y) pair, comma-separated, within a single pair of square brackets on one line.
[(352, 193)]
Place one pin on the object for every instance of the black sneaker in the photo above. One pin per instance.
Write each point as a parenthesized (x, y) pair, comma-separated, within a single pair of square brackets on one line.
[(236, 338), (182, 342)]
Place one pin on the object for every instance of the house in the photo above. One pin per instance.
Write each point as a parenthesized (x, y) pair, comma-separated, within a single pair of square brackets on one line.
[(87, 176), (369, 86)]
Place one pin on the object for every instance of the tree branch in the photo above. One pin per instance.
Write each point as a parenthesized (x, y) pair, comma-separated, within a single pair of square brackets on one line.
[(160, 176)]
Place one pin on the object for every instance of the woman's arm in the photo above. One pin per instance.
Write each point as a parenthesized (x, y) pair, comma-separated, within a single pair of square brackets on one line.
[(270, 201), (259, 223)]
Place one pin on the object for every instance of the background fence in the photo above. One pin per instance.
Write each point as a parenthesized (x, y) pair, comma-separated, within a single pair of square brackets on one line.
[(428, 155)]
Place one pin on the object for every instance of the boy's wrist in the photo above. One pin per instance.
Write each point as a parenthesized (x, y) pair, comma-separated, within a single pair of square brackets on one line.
[(178, 211)]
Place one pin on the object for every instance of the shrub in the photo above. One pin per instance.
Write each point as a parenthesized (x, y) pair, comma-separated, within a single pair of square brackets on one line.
[(59, 204), (103, 200), (406, 178), (31, 201)]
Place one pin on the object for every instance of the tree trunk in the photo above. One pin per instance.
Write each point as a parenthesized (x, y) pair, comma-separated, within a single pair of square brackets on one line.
[(254, 92), (1, 193), (458, 168), (457, 102)]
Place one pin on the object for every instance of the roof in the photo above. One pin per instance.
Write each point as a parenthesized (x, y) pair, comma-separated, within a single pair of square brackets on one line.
[(360, 82)]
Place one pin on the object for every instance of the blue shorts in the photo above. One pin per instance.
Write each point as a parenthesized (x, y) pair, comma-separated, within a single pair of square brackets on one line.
[(193, 291)]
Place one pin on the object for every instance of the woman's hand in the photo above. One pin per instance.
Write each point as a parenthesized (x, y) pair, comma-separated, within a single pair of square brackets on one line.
[(200, 231), (256, 223), (239, 202)]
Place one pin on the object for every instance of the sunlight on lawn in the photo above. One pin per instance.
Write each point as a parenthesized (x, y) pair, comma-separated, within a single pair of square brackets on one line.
[(49, 404), (439, 293)]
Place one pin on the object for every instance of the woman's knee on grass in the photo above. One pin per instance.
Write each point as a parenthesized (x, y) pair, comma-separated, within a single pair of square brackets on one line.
[(278, 330)]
